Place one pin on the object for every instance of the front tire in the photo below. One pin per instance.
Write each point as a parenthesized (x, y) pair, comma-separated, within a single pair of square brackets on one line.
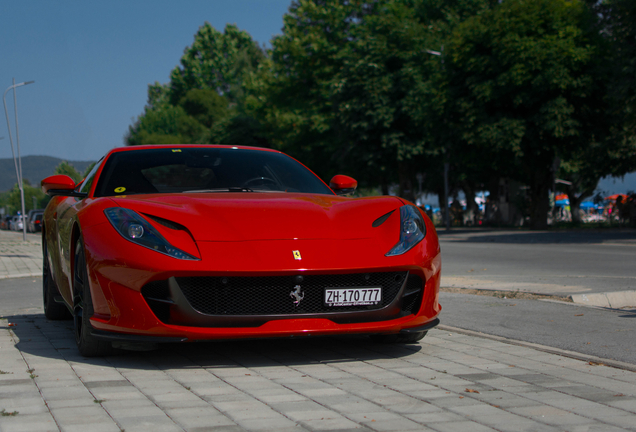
[(88, 345), (52, 310)]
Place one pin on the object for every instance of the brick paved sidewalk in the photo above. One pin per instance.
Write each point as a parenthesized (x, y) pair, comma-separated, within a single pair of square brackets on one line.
[(448, 382), (19, 258)]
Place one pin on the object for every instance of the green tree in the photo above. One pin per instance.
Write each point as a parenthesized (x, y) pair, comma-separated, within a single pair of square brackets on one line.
[(216, 61), (350, 85), (616, 153), (67, 169), (11, 199), (239, 129), (528, 82), (165, 125), (205, 93), (88, 169), (291, 93), (619, 27), (205, 106)]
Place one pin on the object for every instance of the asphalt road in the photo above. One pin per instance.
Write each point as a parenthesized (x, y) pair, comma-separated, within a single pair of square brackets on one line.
[(605, 333), (557, 263)]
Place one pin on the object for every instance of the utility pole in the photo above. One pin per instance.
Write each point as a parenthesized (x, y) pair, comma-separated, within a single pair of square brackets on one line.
[(18, 170)]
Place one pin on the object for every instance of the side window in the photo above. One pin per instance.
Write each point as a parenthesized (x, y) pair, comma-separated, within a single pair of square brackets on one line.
[(88, 181)]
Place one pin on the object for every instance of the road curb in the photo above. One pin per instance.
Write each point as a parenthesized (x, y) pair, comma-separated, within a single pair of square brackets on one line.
[(609, 300), (614, 300), (20, 275), (592, 360)]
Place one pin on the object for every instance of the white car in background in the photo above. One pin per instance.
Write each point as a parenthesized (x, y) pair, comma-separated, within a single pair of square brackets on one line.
[(17, 223)]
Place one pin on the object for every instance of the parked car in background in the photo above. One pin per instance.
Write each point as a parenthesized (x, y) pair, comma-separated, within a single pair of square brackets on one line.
[(29, 217), (5, 222), (16, 223), (35, 221)]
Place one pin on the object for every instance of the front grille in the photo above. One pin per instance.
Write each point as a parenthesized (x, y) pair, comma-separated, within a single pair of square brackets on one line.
[(270, 295)]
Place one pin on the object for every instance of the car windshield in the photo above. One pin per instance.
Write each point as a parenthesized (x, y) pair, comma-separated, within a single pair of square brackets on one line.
[(204, 170)]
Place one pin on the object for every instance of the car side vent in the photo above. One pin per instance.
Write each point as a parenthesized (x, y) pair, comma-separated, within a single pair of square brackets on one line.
[(413, 291), (379, 221), (157, 295), (165, 222)]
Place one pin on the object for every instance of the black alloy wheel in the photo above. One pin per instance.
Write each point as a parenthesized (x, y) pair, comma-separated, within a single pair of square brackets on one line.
[(88, 345), (52, 310)]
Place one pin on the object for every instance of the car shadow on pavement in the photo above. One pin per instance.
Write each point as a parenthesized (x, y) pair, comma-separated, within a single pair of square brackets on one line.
[(527, 237), (55, 339)]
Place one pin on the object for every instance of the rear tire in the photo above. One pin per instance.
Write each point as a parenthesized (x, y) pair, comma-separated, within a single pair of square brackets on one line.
[(88, 345), (398, 338), (52, 310)]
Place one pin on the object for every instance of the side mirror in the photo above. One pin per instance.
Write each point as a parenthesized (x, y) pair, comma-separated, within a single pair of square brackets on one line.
[(61, 185), (342, 184)]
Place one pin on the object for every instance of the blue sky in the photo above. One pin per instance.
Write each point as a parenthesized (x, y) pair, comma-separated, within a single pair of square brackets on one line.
[(93, 60)]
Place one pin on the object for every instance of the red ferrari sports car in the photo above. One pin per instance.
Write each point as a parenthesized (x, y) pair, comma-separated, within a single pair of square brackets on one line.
[(200, 242)]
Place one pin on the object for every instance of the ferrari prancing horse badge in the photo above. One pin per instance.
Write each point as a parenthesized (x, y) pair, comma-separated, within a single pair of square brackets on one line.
[(297, 255)]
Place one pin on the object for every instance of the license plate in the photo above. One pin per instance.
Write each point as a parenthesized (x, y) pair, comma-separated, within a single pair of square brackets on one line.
[(363, 296)]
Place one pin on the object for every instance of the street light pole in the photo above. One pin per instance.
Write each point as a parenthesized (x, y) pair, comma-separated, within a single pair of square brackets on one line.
[(18, 171)]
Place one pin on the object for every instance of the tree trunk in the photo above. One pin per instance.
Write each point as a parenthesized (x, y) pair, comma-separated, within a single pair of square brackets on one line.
[(575, 201), (385, 189), (442, 208), (471, 206), (575, 210), (539, 195), (406, 182)]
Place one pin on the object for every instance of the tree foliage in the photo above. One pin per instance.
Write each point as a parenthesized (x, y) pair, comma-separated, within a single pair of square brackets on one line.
[(385, 90), (351, 85), (10, 200), (618, 25), (204, 93), (529, 89), (66, 168), (216, 61)]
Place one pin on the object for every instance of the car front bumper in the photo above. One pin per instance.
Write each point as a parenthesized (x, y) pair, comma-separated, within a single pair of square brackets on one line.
[(123, 310)]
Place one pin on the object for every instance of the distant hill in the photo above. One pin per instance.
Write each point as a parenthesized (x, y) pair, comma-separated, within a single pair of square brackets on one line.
[(34, 168)]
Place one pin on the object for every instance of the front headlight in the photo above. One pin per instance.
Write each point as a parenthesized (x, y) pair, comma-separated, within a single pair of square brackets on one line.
[(136, 229), (412, 230)]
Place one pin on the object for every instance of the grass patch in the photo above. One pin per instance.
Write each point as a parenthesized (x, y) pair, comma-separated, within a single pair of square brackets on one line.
[(5, 413)]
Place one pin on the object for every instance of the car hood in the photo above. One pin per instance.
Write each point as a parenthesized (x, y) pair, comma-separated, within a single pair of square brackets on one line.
[(246, 216)]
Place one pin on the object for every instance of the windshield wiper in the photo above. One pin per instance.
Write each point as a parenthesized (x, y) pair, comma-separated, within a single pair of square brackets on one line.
[(240, 189), (229, 189)]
